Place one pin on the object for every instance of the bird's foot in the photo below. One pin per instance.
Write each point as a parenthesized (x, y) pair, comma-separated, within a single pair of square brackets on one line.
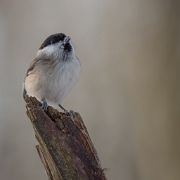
[(44, 105), (66, 111)]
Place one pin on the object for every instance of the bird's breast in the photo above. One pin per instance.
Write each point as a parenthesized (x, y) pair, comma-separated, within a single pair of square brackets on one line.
[(61, 79)]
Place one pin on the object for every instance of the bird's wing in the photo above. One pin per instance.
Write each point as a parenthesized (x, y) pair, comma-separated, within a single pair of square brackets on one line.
[(29, 71), (32, 66)]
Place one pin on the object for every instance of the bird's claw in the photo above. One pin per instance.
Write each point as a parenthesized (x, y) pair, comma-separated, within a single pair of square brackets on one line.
[(66, 111), (44, 105)]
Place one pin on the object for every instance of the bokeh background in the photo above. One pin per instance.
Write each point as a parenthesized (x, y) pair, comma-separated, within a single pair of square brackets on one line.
[(128, 93)]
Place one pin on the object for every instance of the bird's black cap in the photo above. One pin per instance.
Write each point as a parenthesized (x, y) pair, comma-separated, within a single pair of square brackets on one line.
[(55, 38)]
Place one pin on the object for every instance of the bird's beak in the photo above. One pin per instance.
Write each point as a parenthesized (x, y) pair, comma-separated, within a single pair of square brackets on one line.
[(66, 40)]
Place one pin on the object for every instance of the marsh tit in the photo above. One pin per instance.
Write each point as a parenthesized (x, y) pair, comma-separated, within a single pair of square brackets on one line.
[(54, 71)]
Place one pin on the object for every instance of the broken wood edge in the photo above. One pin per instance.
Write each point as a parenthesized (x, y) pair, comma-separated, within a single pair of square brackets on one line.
[(44, 162)]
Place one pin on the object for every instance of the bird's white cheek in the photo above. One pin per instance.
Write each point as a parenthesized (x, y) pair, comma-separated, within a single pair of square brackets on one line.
[(49, 51)]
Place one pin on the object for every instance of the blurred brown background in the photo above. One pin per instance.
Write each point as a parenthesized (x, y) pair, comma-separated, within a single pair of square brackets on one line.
[(128, 93)]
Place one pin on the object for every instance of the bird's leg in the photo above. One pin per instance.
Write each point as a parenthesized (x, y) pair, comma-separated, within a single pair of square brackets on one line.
[(44, 105), (62, 108), (65, 111)]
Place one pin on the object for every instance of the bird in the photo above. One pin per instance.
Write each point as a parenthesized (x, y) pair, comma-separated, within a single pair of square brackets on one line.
[(54, 71)]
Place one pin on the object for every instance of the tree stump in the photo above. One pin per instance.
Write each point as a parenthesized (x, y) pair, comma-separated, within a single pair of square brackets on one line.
[(65, 147)]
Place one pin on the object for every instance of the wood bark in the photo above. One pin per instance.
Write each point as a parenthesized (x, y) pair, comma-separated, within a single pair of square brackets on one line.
[(65, 147)]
